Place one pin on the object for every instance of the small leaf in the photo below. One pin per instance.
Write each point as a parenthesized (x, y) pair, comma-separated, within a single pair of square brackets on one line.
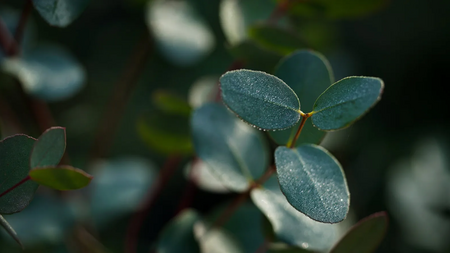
[(49, 148), (234, 151), (165, 133), (346, 101), (119, 187), (308, 73), (182, 35), (365, 236), (216, 240), (10, 230), (171, 103), (15, 154), (178, 235), (260, 99), (313, 182), (275, 38), (237, 15), (47, 72), (61, 178), (202, 176), (291, 226), (60, 12), (48, 220)]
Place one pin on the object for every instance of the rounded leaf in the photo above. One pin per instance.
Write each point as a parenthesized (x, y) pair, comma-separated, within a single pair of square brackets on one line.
[(182, 35), (202, 176), (234, 151), (291, 226), (260, 99), (178, 234), (216, 240), (346, 101), (309, 74), (49, 148), (15, 154), (365, 236), (60, 12), (313, 182), (61, 178), (119, 187), (48, 72)]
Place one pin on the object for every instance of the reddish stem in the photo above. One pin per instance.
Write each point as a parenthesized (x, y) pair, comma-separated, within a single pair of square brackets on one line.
[(26, 11), (119, 98), (7, 41), (279, 11), (305, 116), (15, 186), (137, 220)]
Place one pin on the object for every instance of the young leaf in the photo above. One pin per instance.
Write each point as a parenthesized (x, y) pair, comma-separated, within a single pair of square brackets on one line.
[(48, 72), (345, 101), (260, 99), (15, 153), (61, 178), (49, 148), (291, 226), (308, 73), (365, 236), (178, 235), (313, 182), (180, 32), (60, 12), (275, 38), (234, 151), (165, 133), (10, 230)]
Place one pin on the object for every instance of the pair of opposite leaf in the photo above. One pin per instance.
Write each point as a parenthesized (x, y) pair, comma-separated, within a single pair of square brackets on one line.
[(310, 177)]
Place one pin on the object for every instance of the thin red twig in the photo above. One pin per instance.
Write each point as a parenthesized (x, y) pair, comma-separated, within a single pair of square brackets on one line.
[(15, 186)]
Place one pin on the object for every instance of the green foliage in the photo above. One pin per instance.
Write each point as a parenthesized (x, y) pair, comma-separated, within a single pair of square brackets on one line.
[(260, 99), (346, 101), (313, 182), (365, 236), (275, 38), (49, 148), (234, 152), (14, 166), (61, 178), (60, 12)]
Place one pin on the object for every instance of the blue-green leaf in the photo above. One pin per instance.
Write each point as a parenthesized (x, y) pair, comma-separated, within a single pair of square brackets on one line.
[(60, 12), (178, 235), (308, 73), (48, 72), (49, 148), (182, 35), (119, 187), (313, 182), (216, 240), (260, 99), (15, 154), (291, 226), (346, 101), (234, 151), (365, 236), (203, 177)]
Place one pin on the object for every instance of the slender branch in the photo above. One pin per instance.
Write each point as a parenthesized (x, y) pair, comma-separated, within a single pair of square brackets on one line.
[(7, 41), (15, 186), (119, 98), (241, 198), (279, 11), (305, 116), (26, 11), (137, 220)]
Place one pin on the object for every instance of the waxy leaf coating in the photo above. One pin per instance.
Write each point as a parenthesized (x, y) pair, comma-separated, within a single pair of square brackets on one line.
[(313, 182), (346, 101), (291, 226), (260, 99), (178, 235), (60, 12), (234, 151), (309, 74), (61, 178), (14, 166), (365, 236), (49, 148)]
